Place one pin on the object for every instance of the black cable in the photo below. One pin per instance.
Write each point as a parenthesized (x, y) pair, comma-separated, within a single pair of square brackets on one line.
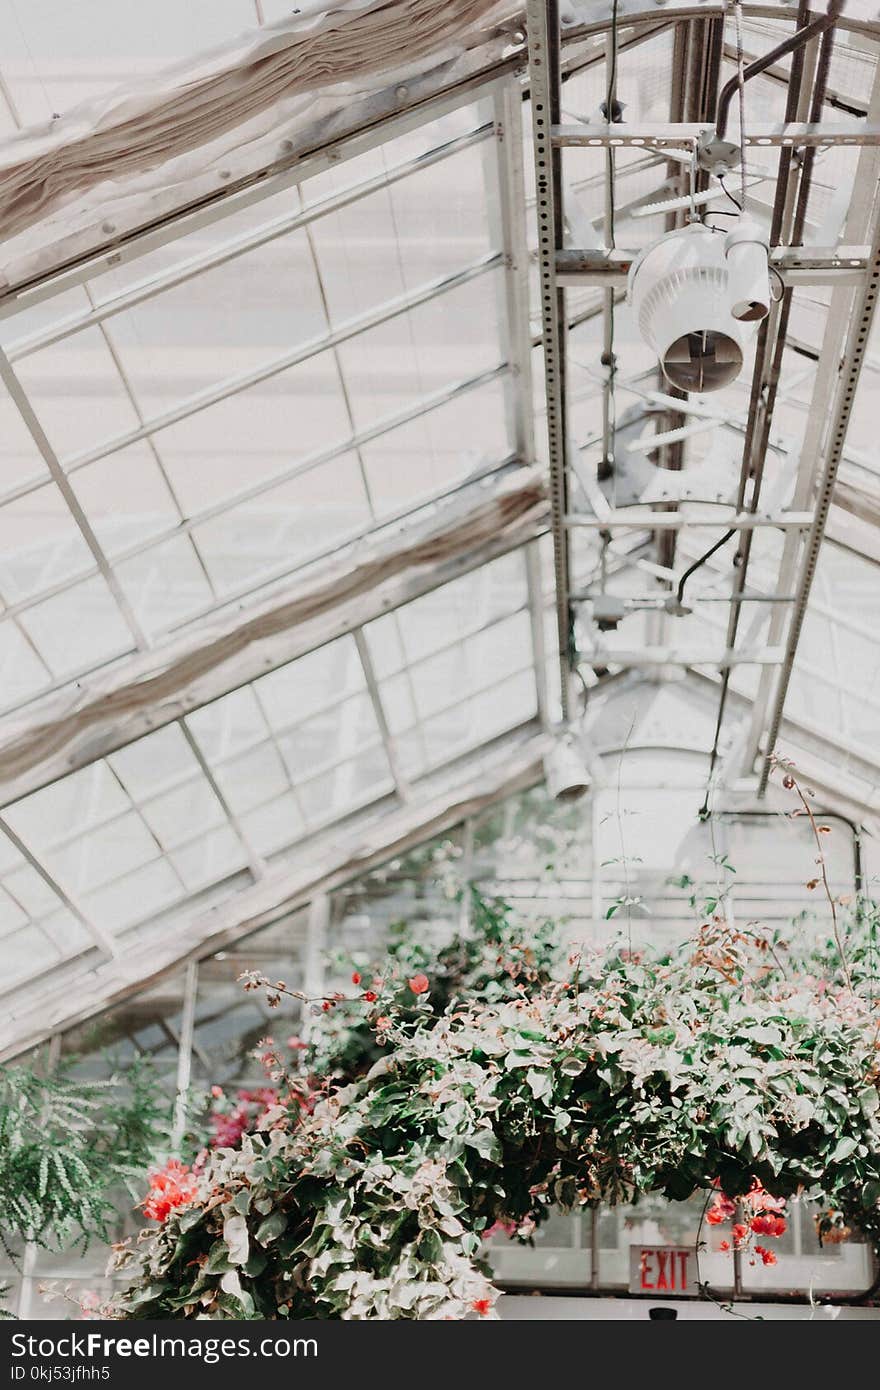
[(611, 363), (727, 193), (612, 73), (609, 110), (717, 212), (702, 560)]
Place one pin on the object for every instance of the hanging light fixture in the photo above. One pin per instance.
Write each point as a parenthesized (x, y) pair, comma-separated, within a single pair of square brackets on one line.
[(747, 253), (565, 770)]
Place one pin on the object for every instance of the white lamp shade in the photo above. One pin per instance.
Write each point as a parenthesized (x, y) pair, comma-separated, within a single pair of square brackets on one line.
[(748, 276), (565, 770)]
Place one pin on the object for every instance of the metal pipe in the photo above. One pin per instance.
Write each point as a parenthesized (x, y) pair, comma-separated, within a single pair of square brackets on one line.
[(792, 44)]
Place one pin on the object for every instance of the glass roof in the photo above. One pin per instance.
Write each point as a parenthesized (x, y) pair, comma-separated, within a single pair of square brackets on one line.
[(310, 373)]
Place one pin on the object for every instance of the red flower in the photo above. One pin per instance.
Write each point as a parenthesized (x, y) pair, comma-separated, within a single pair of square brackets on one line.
[(721, 1210), (420, 984), (725, 1245), (766, 1224), (760, 1200), (768, 1257), (479, 1305), (170, 1187), (370, 996), (355, 979), (326, 1006), (740, 1235)]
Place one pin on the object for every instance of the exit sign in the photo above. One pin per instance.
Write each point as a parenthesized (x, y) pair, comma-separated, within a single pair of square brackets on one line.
[(662, 1269)]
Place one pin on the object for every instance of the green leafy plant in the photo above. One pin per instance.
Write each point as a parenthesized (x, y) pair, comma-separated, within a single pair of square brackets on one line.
[(713, 1066), (65, 1144), (497, 957), (494, 959)]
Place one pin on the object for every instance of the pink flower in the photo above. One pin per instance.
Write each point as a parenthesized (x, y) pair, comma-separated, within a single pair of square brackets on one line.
[(90, 1303), (170, 1187), (760, 1200), (501, 1227), (420, 984), (296, 1044)]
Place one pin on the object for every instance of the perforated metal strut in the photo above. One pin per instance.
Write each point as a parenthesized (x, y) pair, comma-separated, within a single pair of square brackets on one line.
[(853, 360), (542, 18)]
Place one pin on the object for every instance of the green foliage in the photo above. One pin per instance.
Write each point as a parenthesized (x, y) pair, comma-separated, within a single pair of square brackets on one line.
[(65, 1144), (630, 1074), (493, 960)]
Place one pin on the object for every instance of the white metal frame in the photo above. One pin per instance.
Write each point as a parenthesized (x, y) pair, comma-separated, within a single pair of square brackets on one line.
[(842, 267)]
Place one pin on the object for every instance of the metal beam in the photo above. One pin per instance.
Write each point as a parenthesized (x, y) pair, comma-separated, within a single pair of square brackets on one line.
[(837, 324), (143, 290), (144, 224), (797, 265), (474, 783), (676, 134), (256, 863), (184, 1054), (388, 743), (627, 519), (150, 221), (536, 619), (232, 386), (157, 688), (717, 657), (198, 516), (315, 959), (102, 939), (507, 211), (62, 482), (542, 17), (861, 322)]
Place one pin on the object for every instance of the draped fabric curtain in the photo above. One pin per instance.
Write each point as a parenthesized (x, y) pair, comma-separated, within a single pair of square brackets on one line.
[(241, 91)]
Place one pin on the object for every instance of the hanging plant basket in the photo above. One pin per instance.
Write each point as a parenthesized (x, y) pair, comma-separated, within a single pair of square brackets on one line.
[(709, 1071)]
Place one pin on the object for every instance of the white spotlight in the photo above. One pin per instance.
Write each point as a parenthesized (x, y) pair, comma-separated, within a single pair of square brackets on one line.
[(678, 291), (565, 771), (747, 252)]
